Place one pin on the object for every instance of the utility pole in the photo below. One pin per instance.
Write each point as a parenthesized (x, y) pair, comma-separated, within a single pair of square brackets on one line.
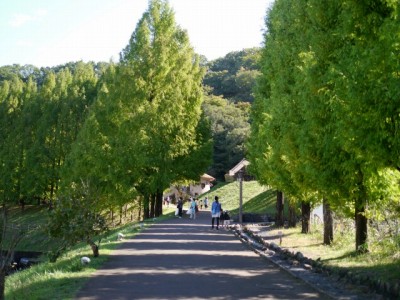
[(240, 175)]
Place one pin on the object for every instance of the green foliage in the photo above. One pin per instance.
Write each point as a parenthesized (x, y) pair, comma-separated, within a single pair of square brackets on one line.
[(146, 129), (14, 93), (230, 129), (234, 75), (322, 114), (75, 219), (42, 111)]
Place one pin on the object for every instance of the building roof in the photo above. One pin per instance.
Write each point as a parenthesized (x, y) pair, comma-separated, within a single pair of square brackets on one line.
[(207, 177), (243, 163)]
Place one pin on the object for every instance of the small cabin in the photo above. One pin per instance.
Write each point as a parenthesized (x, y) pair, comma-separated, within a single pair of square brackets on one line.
[(194, 189), (203, 186)]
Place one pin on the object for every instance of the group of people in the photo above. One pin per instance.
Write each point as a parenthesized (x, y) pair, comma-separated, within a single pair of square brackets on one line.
[(217, 214)]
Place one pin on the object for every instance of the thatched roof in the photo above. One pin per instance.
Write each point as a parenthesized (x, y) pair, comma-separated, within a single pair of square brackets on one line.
[(243, 163), (207, 177)]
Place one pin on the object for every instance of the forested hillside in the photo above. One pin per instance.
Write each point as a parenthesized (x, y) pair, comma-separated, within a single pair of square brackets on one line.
[(234, 75), (229, 92)]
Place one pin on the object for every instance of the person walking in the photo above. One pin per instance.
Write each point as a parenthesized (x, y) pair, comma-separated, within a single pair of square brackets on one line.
[(192, 208), (225, 218), (201, 203), (206, 203), (180, 207), (215, 212)]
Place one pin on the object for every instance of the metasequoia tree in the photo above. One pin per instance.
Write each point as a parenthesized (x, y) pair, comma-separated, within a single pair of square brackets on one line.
[(318, 124), (161, 80), (14, 93), (276, 119), (146, 129)]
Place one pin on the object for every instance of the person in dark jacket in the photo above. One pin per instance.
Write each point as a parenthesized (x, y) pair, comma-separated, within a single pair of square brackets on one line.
[(225, 218), (179, 206)]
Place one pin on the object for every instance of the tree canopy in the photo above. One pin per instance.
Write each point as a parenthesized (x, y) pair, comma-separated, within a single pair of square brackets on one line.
[(322, 118), (147, 121), (234, 75)]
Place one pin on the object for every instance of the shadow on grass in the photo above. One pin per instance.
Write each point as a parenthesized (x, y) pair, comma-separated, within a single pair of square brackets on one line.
[(308, 246), (349, 254), (368, 265), (263, 203), (277, 236), (49, 288)]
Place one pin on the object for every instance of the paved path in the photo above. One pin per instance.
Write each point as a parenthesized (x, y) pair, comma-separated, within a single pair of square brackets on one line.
[(185, 259)]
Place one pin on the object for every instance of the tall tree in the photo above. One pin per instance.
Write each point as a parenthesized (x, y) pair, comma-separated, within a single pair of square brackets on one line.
[(274, 145), (165, 94), (146, 120), (54, 120), (369, 94), (14, 94), (309, 128)]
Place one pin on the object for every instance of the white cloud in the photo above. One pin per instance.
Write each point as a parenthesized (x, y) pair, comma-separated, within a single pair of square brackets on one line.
[(24, 43), (19, 20), (40, 13)]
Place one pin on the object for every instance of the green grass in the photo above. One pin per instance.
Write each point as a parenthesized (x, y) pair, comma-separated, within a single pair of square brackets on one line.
[(381, 262), (254, 196), (34, 220), (62, 279)]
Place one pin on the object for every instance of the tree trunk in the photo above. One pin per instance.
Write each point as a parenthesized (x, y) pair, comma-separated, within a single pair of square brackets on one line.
[(305, 217), (140, 208), (159, 201), (279, 221), (361, 225), (292, 215), (146, 206), (328, 222), (152, 205), (360, 218), (2, 283), (95, 248)]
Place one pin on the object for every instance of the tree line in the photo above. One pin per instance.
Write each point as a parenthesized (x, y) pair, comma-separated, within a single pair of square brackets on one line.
[(91, 138), (325, 121), (49, 106), (88, 138)]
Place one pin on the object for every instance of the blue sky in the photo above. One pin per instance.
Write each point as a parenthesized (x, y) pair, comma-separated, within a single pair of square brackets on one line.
[(53, 32)]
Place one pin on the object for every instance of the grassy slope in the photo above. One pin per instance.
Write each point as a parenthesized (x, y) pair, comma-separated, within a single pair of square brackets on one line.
[(256, 198), (34, 219)]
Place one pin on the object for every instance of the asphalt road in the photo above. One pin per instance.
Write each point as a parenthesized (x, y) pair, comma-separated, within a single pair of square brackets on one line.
[(185, 259)]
